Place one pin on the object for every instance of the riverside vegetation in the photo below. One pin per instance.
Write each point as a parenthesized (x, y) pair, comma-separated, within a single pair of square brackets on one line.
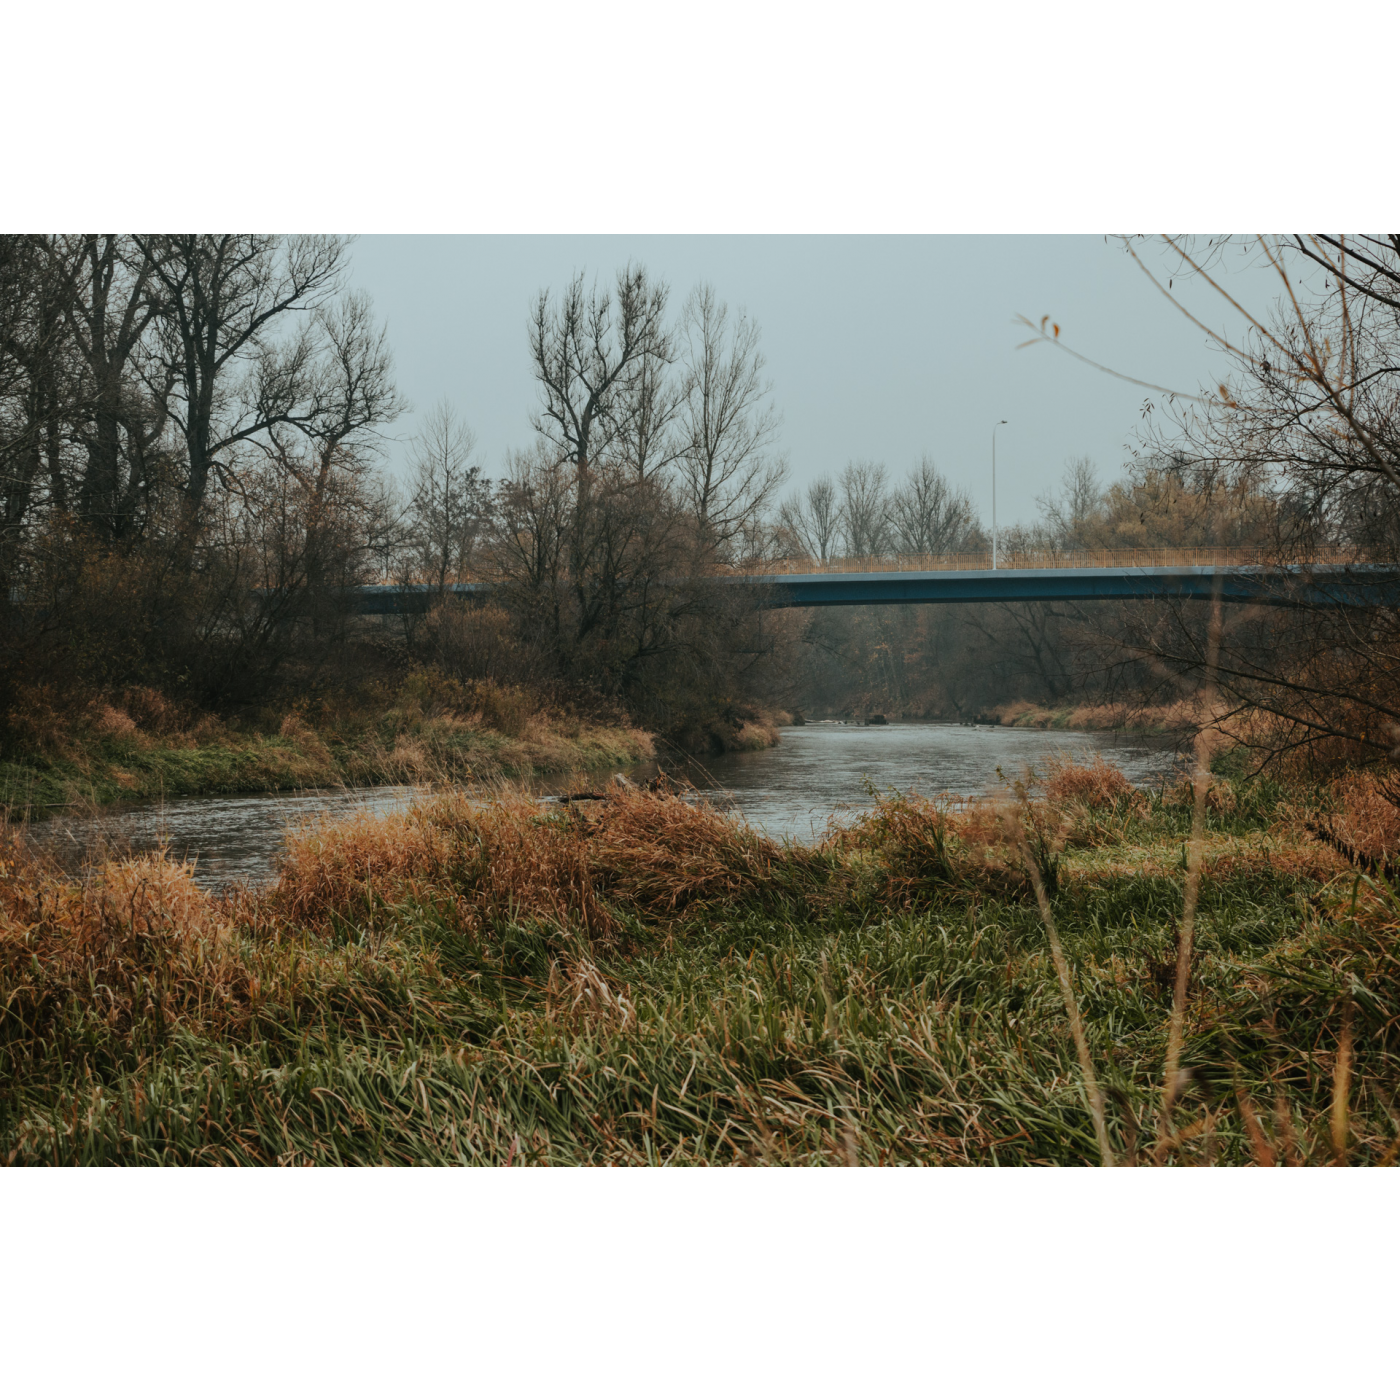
[(429, 727), (641, 980)]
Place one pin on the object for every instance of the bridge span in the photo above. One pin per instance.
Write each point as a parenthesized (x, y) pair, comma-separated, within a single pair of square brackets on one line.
[(1290, 586), (1310, 585)]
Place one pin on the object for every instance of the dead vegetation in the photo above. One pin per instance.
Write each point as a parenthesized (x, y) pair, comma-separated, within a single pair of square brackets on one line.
[(137, 944), (641, 979)]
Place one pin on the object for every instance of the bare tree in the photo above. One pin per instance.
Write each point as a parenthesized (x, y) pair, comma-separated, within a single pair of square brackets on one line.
[(1072, 511), (1301, 440), (927, 516), (603, 576), (448, 499), (591, 353), (727, 470), (865, 510), (224, 300), (351, 395), (36, 390), (812, 521), (125, 398), (649, 406)]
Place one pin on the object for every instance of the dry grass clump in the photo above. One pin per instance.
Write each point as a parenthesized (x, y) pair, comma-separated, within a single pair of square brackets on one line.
[(1220, 796), (135, 941), (512, 710), (1075, 803), (1093, 782), (917, 846), (1180, 716), (649, 855), (1361, 821), (1095, 801)]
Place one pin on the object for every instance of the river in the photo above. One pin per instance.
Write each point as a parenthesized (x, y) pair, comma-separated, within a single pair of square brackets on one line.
[(792, 791)]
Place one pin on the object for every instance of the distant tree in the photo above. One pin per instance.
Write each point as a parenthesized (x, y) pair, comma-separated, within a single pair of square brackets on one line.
[(865, 509), (729, 425), (595, 357), (927, 516), (448, 498), (811, 520), (1072, 513)]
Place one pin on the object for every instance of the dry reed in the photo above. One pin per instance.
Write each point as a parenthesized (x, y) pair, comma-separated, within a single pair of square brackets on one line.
[(642, 979)]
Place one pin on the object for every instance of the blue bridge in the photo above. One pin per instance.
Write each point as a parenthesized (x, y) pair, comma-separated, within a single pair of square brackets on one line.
[(1317, 585)]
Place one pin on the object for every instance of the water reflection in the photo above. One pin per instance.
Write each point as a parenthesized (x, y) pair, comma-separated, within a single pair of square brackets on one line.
[(793, 789), (788, 791)]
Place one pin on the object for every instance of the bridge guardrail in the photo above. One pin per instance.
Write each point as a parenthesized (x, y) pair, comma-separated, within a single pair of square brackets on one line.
[(1154, 558)]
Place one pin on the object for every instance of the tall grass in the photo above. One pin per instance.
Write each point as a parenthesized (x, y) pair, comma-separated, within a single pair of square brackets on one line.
[(430, 729), (644, 981)]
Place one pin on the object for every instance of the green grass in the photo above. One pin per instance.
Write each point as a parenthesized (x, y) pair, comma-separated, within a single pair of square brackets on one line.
[(94, 770), (807, 1023)]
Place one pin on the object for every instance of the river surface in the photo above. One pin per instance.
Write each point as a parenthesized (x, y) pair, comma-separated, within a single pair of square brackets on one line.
[(817, 772)]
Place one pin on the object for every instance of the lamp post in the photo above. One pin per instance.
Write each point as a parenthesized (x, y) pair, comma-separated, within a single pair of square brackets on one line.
[(1001, 423)]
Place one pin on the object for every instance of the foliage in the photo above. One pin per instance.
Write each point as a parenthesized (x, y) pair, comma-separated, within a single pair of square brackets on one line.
[(645, 982)]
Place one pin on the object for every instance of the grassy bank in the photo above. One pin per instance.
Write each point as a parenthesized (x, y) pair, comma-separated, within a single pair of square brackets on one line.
[(643, 981), (1181, 718), (427, 731)]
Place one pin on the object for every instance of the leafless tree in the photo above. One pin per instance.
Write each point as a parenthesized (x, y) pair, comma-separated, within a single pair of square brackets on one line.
[(448, 498), (729, 423), (123, 403), (591, 354), (36, 384), (811, 520), (927, 516), (647, 439), (1302, 434), (594, 572), (865, 509), (1072, 511), (351, 396), (242, 359)]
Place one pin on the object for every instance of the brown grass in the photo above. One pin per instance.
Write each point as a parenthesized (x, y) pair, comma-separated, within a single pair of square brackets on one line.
[(1181, 716), (1365, 815), (136, 941), (937, 1030), (648, 855), (1094, 783)]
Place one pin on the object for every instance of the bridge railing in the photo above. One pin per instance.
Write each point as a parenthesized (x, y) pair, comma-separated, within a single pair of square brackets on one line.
[(1045, 559), (1198, 556)]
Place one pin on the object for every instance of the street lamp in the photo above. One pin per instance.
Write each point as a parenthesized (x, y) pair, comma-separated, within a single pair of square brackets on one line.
[(1001, 423)]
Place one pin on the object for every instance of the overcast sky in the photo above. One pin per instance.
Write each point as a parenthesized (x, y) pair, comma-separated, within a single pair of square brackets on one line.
[(877, 347)]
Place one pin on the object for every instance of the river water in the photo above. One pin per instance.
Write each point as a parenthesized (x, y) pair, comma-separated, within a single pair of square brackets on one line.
[(816, 772)]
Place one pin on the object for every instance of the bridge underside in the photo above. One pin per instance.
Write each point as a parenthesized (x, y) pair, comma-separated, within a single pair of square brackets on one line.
[(1329, 585)]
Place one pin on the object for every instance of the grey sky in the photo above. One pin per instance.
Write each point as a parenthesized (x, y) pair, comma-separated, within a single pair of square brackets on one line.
[(878, 347)]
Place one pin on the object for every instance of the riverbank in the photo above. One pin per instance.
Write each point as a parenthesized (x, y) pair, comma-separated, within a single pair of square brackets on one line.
[(1181, 718), (427, 732), (641, 980)]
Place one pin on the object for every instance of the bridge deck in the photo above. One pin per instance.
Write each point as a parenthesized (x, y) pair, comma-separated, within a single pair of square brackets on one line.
[(1295, 586), (1349, 585)]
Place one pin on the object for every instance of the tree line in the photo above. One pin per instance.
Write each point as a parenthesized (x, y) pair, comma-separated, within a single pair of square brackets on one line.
[(194, 436)]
